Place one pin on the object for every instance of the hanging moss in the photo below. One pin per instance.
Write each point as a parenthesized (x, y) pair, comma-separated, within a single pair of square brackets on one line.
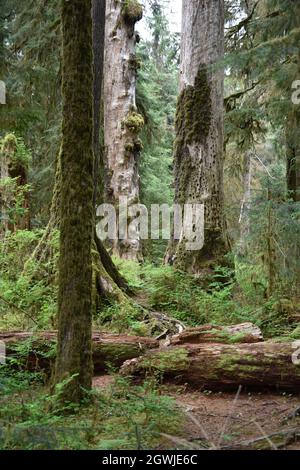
[(132, 12), (134, 122), (193, 115)]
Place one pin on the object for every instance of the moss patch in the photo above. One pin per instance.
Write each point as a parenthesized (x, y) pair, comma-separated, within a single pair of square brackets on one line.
[(134, 62), (132, 12), (114, 354), (193, 114), (171, 361), (134, 122)]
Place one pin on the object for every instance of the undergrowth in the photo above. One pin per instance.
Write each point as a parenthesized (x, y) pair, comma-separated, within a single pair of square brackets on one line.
[(121, 416), (238, 300), (28, 301)]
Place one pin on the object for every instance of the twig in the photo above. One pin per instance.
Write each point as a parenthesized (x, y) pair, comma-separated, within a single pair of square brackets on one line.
[(281, 251), (293, 415), (290, 434), (11, 304), (268, 438), (195, 421), (264, 166), (181, 442), (229, 415)]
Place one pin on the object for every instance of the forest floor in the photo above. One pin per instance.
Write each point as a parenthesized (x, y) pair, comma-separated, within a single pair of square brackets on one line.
[(230, 421)]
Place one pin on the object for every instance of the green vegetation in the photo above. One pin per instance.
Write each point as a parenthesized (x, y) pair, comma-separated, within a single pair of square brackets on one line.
[(178, 294), (258, 282), (122, 416)]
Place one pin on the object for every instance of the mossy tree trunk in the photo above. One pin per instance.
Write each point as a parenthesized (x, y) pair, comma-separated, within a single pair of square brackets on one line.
[(122, 123), (293, 138), (293, 161), (108, 284), (98, 14), (293, 152), (198, 153), (74, 348)]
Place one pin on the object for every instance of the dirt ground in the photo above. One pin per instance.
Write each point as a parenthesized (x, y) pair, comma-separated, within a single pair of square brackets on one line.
[(233, 420)]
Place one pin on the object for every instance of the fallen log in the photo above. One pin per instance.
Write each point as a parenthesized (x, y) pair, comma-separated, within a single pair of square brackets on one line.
[(221, 366), (36, 351), (242, 333)]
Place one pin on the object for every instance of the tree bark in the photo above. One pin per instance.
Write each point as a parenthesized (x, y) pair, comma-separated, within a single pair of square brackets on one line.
[(122, 123), (293, 141), (74, 347), (222, 367), (293, 153), (98, 16), (198, 153)]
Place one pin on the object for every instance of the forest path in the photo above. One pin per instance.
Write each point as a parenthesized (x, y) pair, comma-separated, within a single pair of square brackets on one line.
[(231, 421)]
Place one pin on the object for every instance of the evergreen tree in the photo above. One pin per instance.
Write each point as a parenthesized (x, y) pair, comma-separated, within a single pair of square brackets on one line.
[(263, 58), (31, 70), (198, 152)]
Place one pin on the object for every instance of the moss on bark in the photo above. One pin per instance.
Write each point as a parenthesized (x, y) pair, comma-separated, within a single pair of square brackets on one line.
[(132, 12), (74, 348), (134, 122), (194, 118), (193, 115)]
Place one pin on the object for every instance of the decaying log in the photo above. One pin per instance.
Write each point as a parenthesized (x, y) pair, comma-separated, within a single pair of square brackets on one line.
[(242, 333), (221, 366), (36, 351)]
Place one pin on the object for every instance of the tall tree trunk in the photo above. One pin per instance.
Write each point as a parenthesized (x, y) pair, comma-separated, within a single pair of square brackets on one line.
[(293, 164), (74, 349), (293, 153), (122, 123), (198, 152), (107, 283), (98, 15), (244, 220)]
